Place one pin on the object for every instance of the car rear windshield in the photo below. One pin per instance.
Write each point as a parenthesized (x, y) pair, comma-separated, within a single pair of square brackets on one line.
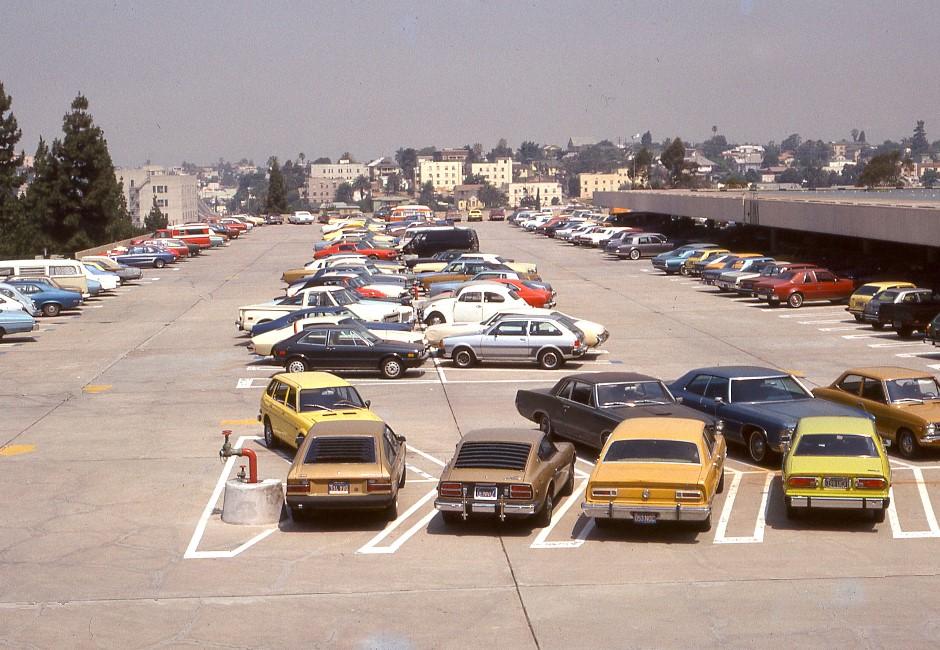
[(767, 389), (632, 393), (352, 449), (652, 451), (328, 399), (867, 290), (835, 444), (495, 455)]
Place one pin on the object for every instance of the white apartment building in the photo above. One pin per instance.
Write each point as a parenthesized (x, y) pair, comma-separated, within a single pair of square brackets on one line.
[(175, 194), (497, 173), (342, 170), (544, 190), (591, 183), (444, 174)]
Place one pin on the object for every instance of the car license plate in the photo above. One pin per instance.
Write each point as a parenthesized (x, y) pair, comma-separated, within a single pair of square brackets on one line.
[(339, 487), (836, 482), (645, 518), (485, 492)]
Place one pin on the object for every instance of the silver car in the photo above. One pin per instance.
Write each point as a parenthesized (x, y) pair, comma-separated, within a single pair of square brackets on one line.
[(545, 340)]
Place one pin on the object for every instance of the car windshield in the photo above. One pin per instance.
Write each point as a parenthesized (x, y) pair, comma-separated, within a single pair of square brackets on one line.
[(835, 444), (652, 451), (329, 399), (767, 389), (343, 297), (915, 391), (887, 296), (632, 393), (789, 275)]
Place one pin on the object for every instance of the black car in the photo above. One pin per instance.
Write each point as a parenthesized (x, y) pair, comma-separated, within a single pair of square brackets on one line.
[(435, 240), (587, 407), (346, 347), (273, 219), (443, 256)]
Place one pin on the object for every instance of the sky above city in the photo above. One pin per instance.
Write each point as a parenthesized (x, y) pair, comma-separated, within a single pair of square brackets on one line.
[(196, 81)]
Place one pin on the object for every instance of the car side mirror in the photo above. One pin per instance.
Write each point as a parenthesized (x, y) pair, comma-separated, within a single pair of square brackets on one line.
[(680, 400), (719, 400), (299, 440), (886, 442), (368, 403), (400, 438)]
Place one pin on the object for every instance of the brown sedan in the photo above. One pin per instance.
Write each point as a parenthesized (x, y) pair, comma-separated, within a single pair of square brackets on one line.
[(506, 472)]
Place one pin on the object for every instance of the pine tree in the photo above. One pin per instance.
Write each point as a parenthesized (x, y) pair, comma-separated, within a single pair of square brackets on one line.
[(276, 201), (155, 220), (11, 213), (919, 143), (38, 202)]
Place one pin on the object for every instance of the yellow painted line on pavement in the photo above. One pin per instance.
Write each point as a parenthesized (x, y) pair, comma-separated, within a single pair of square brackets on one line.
[(233, 423), (96, 388), (16, 450)]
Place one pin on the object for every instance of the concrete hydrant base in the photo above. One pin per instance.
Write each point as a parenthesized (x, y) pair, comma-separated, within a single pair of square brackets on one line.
[(252, 503)]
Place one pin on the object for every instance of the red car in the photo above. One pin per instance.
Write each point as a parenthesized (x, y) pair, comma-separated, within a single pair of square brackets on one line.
[(359, 248), (533, 294), (234, 224), (804, 285), (170, 245)]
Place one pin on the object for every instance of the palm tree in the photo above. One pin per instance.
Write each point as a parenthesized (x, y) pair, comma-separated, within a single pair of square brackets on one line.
[(362, 185)]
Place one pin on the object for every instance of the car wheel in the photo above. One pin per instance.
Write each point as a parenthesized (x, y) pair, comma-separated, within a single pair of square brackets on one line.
[(545, 426), (905, 332), (877, 326), (684, 271), (757, 447), (907, 444), (434, 319), (795, 300), (269, 440), (1, 333), (550, 360), (463, 358), (544, 516), (705, 525), (451, 518), (721, 483), (297, 514), (391, 368), (401, 479), (773, 303), (634, 254), (568, 487), (158, 264), (858, 318), (51, 309), (878, 516), (391, 510), (296, 365)]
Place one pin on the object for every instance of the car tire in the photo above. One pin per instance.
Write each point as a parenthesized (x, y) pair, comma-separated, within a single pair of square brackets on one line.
[(877, 326), (463, 358), (878, 516), (634, 254), (401, 479), (907, 444), (545, 426), (721, 483), (296, 365), (773, 303), (391, 368), (905, 332), (297, 514), (858, 318), (434, 318), (391, 510), (544, 516), (452, 518), (757, 448), (684, 271), (795, 301), (158, 264), (568, 487), (269, 440), (1, 333), (51, 309), (705, 525), (373, 257), (550, 360)]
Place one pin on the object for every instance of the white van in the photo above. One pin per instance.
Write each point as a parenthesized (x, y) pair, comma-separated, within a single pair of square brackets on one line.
[(68, 274)]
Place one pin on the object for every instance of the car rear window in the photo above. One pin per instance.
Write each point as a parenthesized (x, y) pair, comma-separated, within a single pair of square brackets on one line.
[(495, 455), (352, 449), (835, 444), (652, 451), (867, 290)]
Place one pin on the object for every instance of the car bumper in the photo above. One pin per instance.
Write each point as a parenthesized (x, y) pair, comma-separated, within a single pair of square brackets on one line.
[(663, 513), (344, 502), (725, 284), (469, 506), (839, 503)]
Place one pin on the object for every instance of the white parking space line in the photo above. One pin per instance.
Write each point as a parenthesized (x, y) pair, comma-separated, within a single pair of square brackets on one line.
[(758, 536), (842, 329), (897, 344), (154, 279), (419, 472), (934, 366), (440, 371), (822, 322), (372, 547), (539, 541), (176, 269), (191, 551), (819, 312), (933, 528)]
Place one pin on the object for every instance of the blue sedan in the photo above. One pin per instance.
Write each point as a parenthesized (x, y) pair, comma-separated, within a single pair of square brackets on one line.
[(15, 322), (144, 256), (48, 299), (760, 407)]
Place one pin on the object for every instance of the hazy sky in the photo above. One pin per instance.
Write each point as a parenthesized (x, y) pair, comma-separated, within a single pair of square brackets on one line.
[(173, 81)]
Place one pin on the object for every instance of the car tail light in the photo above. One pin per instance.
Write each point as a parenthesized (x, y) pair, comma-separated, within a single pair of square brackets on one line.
[(577, 344), (450, 490), (520, 491), (802, 482), (298, 486), (688, 495), (870, 483), (374, 485), (604, 492), (280, 353)]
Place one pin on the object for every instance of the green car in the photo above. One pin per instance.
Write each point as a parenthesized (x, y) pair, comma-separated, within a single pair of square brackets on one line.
[(836, 463)]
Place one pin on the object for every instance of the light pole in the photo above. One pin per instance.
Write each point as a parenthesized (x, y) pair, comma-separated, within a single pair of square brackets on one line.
[(633, 147)]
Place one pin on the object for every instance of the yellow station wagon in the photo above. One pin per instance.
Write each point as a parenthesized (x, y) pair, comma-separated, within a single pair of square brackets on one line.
[(295, 402), (866, 292)]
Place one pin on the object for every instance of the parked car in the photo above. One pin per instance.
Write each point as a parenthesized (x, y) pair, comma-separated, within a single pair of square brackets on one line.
[(711, 275), (637, 245), (472, 304), (760, 407), (911, 316), (457, 271), (50, 300), (871, 311), (671, 262), (16, 322), (143, 256), (507, 473), (657, 469), (477, 258), (497, 215), (475, 215), (544, 340), (293, 403), (261, 344), (346, 347), (731, 280), (904, 402), (798, 287), (301, 217), (532, 292), (376, 310), (866, 292), (836, 463), (362, 248), (347, 465), (362, 284), (594, 333), (108, 281), (747, 286), (124, 272), (428, 242), (695, 263), (587, 407), (442, 258), (13, 295)]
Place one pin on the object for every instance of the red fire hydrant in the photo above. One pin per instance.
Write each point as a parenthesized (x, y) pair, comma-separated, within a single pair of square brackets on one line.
[(228, 452)]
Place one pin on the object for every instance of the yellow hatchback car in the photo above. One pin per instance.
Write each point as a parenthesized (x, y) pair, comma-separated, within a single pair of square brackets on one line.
[(657, 469), (836, 463), (703, 256), (296, 402), (347, 465), (866, 292)]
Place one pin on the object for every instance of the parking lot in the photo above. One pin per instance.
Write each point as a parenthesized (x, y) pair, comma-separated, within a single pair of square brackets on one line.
[(110, 532)]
